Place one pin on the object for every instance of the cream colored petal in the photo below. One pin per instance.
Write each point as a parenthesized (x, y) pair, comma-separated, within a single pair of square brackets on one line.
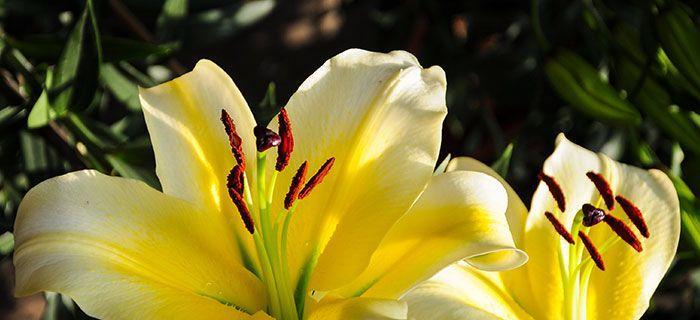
[(459, 216), (380, 116), (517, 211), (623, 290), (191, 148), (568, 165), (463, 292), (358, 308), (125, 251), (517, 280)]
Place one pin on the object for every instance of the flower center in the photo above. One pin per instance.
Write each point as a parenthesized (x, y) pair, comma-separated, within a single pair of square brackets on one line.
[(286, 300), (576, 268)]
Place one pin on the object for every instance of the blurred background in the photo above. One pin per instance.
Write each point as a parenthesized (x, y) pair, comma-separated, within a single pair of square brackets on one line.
[(618, 76)]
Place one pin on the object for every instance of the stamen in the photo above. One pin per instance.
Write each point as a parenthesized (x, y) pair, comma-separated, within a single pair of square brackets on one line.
[(592, 215), (634, 214), (623, 231), (317, 178), (235, 179), (234, 140), (560, 228), (595, 255), (297, 181), (284, 151), (242, 209), (554, 189), (603, 188), (265, 138)]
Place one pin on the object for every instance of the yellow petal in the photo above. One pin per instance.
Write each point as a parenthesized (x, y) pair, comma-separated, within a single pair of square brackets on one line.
[(358, 308), (623, 290), (463, 292), (380, 116), (516, 280), (191, 148), (460, 215), (125, 251), (517, 211)]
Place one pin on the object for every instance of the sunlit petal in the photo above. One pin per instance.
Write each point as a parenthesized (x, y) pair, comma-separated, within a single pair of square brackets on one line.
[(460, 215), (380, 116), (123, 250), (623, 290), (191, 148), (358, 308), (463, 292)]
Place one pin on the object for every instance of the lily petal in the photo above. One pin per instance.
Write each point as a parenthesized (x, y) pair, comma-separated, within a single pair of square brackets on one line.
[(191, 148), (463, 292), (123, 250), (459, 216), (358, 308), (623, 290), (380, 116), (517, 211)]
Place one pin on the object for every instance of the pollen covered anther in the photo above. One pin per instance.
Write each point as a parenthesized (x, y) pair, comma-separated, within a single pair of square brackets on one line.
[(591, 215), (554, 189), (284, 151), (634, 214), (317, 178), (265, 138), (234, 139), (297, 182), (235, 179), (559, 227), (624, 232), (592, 250), (238, 201), (603, 188)]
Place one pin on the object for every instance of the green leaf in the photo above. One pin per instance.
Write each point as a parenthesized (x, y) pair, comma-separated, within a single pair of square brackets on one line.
[(7, 243), (120, 49), (48, 48), (120, 86), (270, 99), (41, 113), (690, 212), (502, 164), (78, 66), (122, 165)]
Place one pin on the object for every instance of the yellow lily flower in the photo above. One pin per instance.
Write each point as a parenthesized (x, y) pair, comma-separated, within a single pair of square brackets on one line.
[(234, 236), (610, 211)]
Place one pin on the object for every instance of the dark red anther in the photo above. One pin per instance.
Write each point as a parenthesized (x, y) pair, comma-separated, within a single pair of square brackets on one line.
[(592, 215), (234, 140), (603, 188), (595, 255), (560, 228), (284, 151), (623, 231), (554, 189), (235, 179), (317, 178), (297, 182), (265, 138), (238, 201), (634, 214)]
